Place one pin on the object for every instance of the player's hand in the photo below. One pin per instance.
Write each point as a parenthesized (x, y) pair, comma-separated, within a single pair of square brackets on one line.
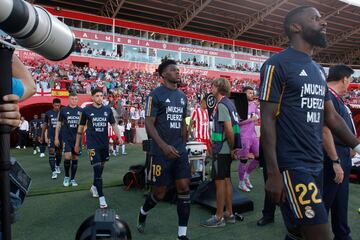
[(77, 149), (170, 152), (352, 153), (9, 111), (57, 143), (41, 140), (339, 173), (274, 187)]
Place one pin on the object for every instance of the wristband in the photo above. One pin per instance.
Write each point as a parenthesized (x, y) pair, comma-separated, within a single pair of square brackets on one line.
[(337, 161), (18, 87), (357, 148)]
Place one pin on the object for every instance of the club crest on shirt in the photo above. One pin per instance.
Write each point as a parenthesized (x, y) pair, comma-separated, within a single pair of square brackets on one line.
[(105, 114), (182, 101), (309, 212)]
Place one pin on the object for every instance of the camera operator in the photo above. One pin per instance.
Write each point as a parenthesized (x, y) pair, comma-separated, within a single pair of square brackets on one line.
[(23, 87)]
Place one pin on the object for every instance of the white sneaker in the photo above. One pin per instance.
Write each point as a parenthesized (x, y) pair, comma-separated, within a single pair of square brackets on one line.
[(42, 155), (94, 191), (114, 154), (34, 152), (54, 175), (38, 149), (57, 169), (74, 183), (248, 183), (66, 182), (243, 187), (24, 147), (102, 202), (18, 147)]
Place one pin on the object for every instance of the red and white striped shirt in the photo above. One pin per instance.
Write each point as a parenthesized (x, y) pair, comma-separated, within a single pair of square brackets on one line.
[(111, 133), (200, 118)]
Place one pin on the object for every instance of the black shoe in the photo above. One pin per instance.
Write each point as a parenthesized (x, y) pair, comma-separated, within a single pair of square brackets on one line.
[(264, 221), (183, 238), (141, 222)]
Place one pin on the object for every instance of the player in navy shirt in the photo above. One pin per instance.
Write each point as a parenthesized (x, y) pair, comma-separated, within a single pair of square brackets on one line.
[(295, 105), (50, 122), (96, 118), (34, 126), (42, 143), (165, 124), (69, 118)]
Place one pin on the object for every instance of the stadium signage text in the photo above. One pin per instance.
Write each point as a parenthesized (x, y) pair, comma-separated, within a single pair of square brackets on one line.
[(164, 46)]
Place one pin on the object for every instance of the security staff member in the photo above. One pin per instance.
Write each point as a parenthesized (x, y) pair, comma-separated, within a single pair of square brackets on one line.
[(337, 160)]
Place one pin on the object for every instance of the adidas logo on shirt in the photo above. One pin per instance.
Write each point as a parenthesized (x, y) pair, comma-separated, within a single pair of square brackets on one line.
[(303, 73), (167, 100)]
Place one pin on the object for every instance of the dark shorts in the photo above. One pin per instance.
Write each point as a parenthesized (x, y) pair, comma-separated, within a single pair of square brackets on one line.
[(164, 171), (221, 165), (304, 204), (69, 147), (52, 143), (98, 155)]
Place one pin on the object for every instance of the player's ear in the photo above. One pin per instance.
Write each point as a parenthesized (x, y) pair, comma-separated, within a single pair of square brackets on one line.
[(295, 27)]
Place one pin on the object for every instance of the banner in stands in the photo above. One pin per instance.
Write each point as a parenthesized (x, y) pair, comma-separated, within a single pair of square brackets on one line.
[(164, 46)]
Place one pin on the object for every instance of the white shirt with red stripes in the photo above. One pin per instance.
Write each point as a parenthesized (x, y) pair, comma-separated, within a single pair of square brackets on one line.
[(200, 118)]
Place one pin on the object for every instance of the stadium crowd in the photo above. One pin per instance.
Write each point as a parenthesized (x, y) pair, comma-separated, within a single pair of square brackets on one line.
[(123, 87)]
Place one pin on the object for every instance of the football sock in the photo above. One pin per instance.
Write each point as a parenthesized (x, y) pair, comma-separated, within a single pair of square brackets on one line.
[(98, 169), (183, 208), (67, 167), (74, 166)]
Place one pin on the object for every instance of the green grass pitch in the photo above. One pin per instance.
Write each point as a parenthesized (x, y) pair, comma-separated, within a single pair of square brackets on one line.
[(54, 212)]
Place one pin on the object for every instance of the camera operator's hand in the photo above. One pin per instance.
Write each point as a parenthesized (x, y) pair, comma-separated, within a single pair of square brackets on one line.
[(9, 111)]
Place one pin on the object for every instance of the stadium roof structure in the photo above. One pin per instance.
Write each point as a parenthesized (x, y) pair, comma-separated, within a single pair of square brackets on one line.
[(257, 21)]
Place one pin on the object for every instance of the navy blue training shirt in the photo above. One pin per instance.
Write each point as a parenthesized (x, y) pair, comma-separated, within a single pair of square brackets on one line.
[(168, 107), (341, 148), (34, 126), (298, 85), (51, 119), (39, 130), (69, 117), (96, 120)]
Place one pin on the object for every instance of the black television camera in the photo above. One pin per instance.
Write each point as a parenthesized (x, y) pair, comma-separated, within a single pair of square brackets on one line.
[(105, 224)]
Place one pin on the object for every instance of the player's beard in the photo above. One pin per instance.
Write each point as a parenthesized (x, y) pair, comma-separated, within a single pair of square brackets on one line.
[(315, 38)]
